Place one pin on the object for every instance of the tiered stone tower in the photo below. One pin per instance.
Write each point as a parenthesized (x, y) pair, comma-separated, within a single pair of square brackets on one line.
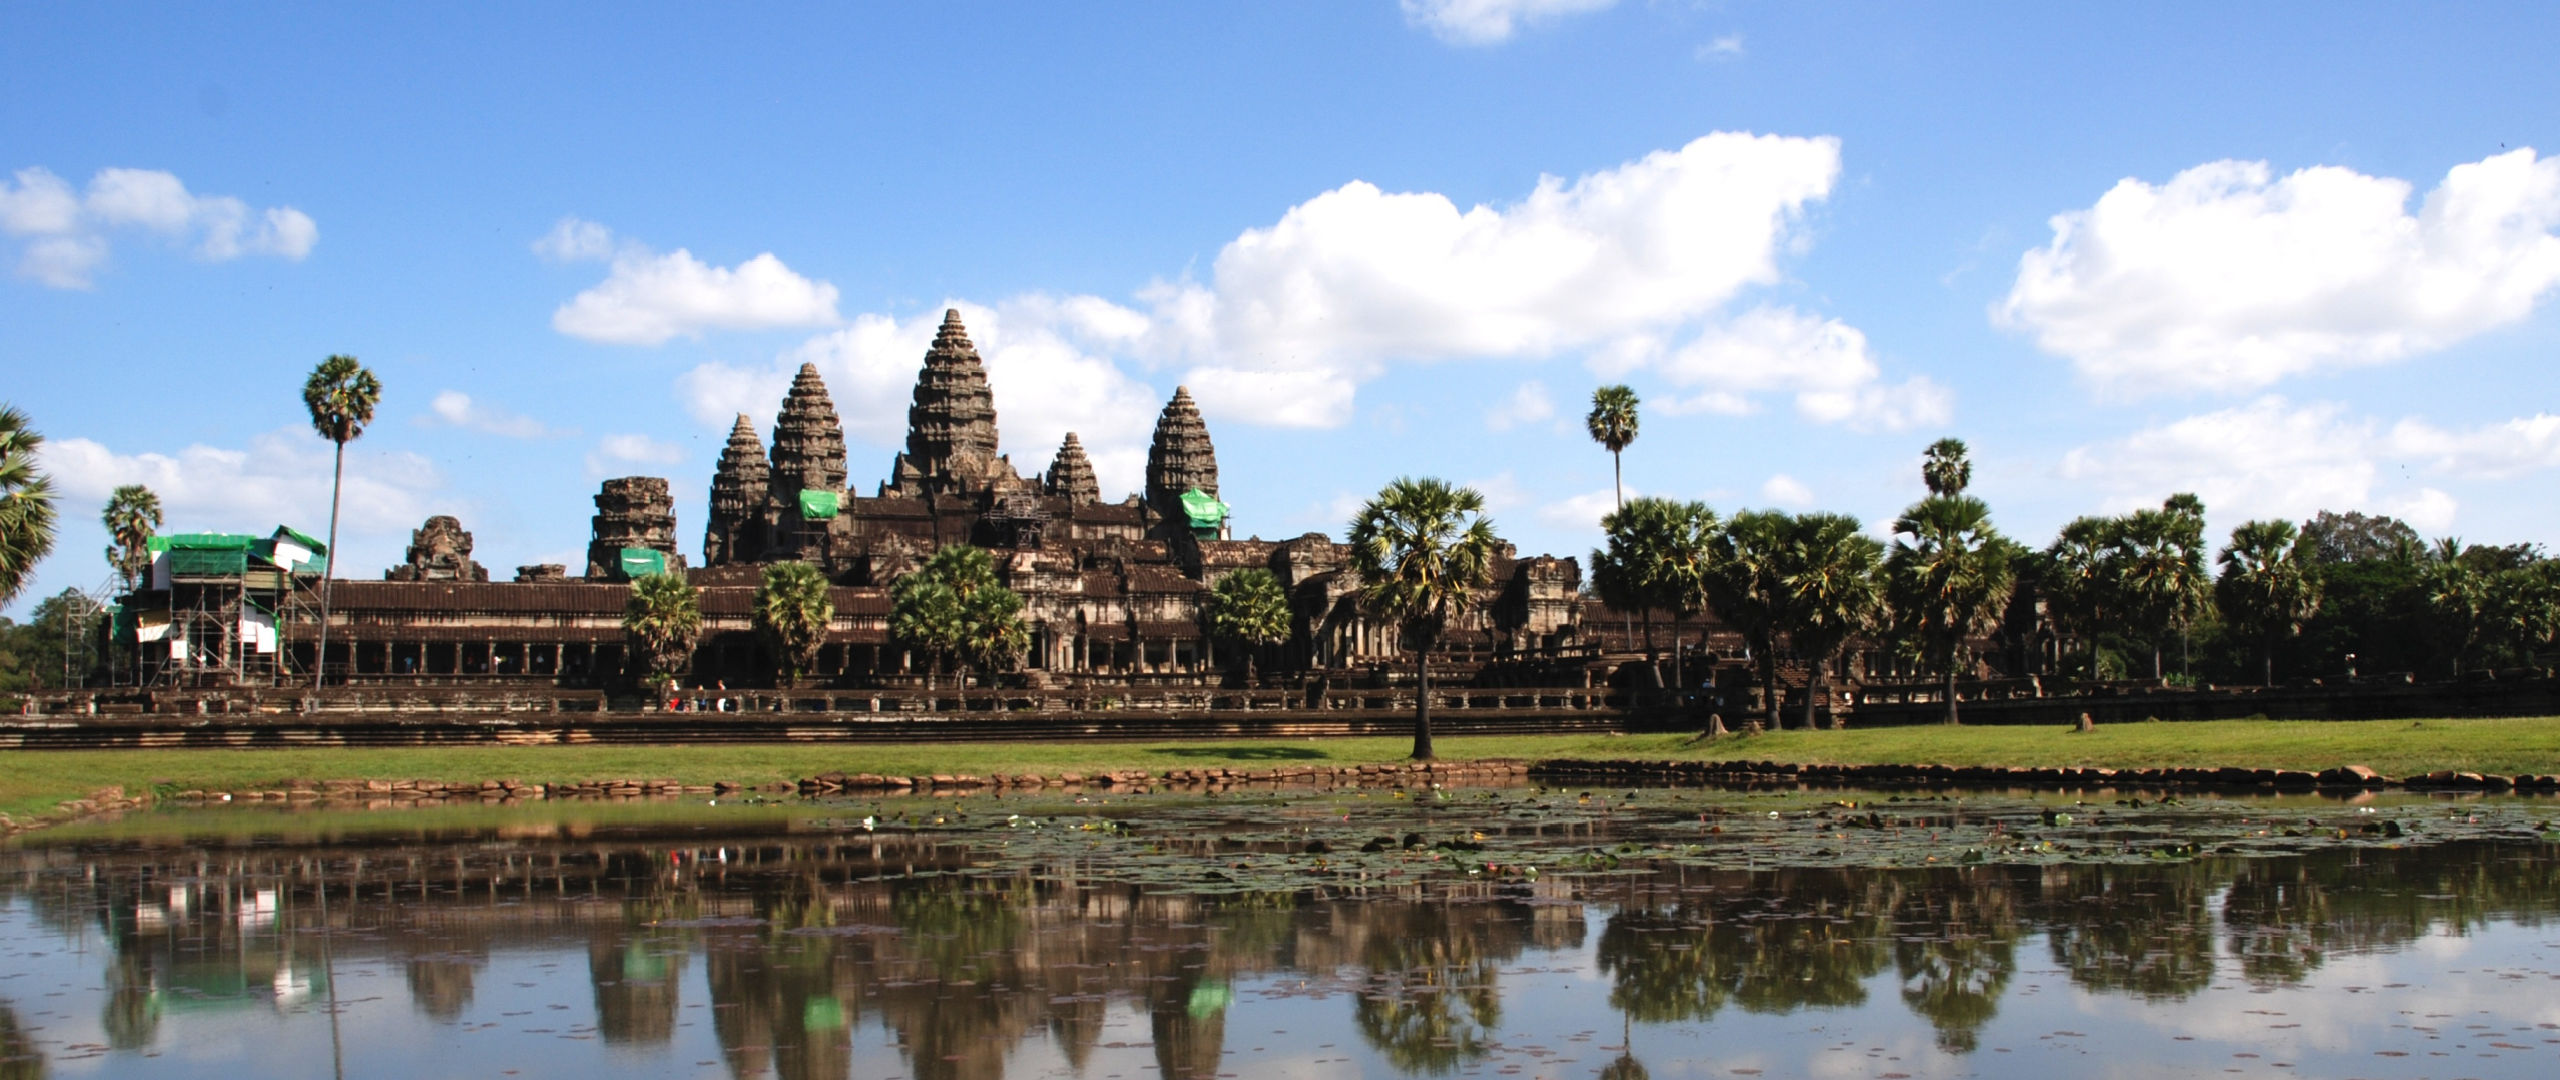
[(631, 512), (1071, 475), (808, 455), (736, 532), (951, 428), (439, 551), (1179, 460)]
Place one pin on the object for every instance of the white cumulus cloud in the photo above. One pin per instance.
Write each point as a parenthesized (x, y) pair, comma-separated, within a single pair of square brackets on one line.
[(1824, 363), (1358, 277), (617, 454), (2230, 278), (2272, 458), (650, 297), (1785, 490), (453, 408), (66, 232), (1488, 22), (280, 478), (1528, 404)]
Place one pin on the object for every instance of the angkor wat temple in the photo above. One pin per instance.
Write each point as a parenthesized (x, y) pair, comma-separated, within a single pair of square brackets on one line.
[(1112, 590)]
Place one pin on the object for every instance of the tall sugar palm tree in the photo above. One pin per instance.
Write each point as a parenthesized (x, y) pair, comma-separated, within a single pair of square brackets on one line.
[(2078, 579), (1422, 549), (1744, 589), (1657, 555), (1831, 575), (1946, 468), (926, 616), (663, 619), (953, 607), (26, 503), (1613, 424), (131, 517), (2160, 578), (2454, 594), (2268, 586), (1947, 579), (1250, 610), (341, 395), (793, 611)]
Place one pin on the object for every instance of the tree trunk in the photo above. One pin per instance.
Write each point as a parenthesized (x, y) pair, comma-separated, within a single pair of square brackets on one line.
[(329, 568), (2155, 661), (1812, 687), (1951, 688), (1422, 702), (1618, 477), (1769, 695), (1679, 635), (2267, 663)]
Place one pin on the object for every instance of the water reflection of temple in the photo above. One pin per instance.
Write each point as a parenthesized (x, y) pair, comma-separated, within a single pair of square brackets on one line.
[(800, 940)]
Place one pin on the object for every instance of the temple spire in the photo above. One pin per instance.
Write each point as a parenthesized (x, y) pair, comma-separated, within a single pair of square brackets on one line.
[(1180, 459), (1071, 474), (951, 427), (808, 439), (738, 492)]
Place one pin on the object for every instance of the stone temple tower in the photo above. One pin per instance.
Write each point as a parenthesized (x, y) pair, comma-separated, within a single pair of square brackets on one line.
[(951, 427), (1071, 475), (738, 521), (808, 455), (1181, 460)]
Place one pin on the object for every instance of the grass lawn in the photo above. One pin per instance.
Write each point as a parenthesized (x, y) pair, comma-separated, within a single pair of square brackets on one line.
[(32, 781)]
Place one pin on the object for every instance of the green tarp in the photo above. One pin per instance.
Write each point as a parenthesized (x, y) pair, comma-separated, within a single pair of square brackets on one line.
[(818, 505), (309, 542), (204, 542), (641, 562), (199, 562), (1204, 509)]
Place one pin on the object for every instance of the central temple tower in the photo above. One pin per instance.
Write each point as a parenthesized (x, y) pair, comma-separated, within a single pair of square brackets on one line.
[(951, 427)]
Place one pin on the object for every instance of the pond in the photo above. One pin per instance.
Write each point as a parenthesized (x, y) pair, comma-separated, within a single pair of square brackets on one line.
[(1486, 932)]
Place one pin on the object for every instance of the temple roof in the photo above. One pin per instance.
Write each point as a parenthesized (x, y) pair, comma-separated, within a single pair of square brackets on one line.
[(951, 426), (808, 439), (1181, 458), (1071, 474)]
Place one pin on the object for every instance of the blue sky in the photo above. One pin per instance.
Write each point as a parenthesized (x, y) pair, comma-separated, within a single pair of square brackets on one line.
[(2289, 256)]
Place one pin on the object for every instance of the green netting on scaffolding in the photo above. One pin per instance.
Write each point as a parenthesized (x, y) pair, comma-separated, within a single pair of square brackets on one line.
[(1204, 509), (196, 562), (816, 505), (642, 562)]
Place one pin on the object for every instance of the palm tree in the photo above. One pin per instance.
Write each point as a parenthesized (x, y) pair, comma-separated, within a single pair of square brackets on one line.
[(340, 395), (1829, 572), (953, 608), (2520, 609), (2078, 578), (131, 516), (2267, 585), (1613, 424), (1743, 587), (664, 621), (1249, 609), (1422, 549), (1657, 555), (2159, 572), (1945, 468), (793, 612), (1948, 578), (26, 503), (2454, 595)]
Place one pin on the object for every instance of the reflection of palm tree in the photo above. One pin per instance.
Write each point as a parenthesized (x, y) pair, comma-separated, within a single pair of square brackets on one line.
[(2150, 937), (1663, 968), (2277, 918), (132, 1014), (635, 986), (1956, 949), (1431, 1002), (20, 1059)]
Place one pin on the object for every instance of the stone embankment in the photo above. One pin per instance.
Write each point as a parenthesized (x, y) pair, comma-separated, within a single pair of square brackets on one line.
[(2344, 777), (1446, 773)]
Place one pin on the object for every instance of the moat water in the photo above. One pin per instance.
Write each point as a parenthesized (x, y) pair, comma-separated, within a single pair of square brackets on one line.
[(1497, 933)]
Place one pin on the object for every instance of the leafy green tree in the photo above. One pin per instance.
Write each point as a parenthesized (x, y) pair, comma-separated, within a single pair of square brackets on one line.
[(1948, 579), (2159, 574), (340, 396), (1743, 587), (2354, 537), (2267, 586), (663, 619), (793, 611), (2520, 614), (2455, 595), (51, 649), (2077, 576), (1946, 467), (132, 516), (26, 503), (1657, 558), (1422, 550), (1830, 577), (1249, 610), (1612, 424), (953, 609)]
